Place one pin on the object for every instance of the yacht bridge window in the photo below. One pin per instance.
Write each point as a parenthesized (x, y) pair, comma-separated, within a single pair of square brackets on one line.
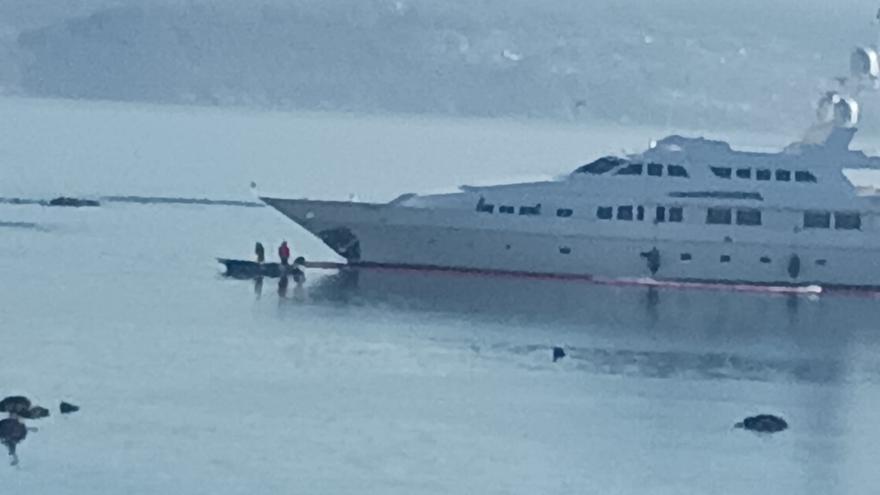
[(601, 166), (655, 169), (631, 169), (506, 209)]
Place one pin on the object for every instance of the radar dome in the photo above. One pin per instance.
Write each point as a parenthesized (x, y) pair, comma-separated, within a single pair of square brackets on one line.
[(865, 63), (839, 110)]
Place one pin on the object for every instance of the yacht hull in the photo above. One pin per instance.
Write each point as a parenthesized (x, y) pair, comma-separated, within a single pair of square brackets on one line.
[(384, 235)]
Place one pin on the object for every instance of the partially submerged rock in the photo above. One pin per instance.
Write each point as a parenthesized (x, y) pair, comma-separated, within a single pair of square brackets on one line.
[(73, 202), (763, 423), (35, 412), (558, 353), (67, 408), (15, 404), (12, 432)]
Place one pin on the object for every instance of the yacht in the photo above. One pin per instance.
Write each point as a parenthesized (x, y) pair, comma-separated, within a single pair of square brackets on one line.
[(684, 211)]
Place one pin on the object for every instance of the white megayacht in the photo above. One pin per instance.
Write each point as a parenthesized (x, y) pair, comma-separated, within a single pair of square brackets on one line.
[(685, 210)]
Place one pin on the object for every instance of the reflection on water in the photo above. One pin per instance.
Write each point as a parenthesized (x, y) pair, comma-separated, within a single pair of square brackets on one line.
[(648, 332)]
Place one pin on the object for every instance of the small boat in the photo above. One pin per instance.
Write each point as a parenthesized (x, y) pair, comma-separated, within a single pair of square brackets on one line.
[(252, 269)]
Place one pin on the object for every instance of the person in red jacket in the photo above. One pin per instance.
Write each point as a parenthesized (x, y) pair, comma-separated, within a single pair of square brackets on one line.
[(284, 253)]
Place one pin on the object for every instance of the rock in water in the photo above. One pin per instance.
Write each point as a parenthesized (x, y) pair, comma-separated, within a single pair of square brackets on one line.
[(73, 202), (763, 423), (12, 432), (558, 353), (35, 412), (67, 408), (15, 404)]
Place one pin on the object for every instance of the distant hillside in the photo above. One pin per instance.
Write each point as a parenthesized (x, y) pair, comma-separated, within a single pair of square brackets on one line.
[(679, 63)]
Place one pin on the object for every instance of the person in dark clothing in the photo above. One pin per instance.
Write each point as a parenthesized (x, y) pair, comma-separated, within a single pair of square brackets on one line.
[(284, 253), (260, 252)]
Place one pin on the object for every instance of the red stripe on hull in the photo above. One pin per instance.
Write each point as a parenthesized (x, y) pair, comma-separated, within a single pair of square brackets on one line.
[(640, 282)]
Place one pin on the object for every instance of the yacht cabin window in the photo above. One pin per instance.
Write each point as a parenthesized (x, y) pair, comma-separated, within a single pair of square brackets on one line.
[(804, 176), (506, 209), (660, 214), (783, 175), (676, 214), (605, 212), (744, 173), (655, 169), (530, 210), (624, 212), (718, 216), (723, 172), (564, 212), (817, 220), (484, 207), (640, 213), (748, 216), (847, 221), (763, 174)]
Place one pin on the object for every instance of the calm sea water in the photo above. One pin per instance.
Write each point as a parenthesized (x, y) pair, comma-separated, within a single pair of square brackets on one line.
[(382, 381)]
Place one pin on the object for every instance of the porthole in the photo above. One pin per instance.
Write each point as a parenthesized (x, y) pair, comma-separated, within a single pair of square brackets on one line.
[(765, 259)]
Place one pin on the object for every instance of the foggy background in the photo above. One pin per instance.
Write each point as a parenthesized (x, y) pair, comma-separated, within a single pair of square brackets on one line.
[(749, 64)]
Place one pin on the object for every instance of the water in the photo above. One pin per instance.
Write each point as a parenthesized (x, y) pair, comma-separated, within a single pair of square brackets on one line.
[(383, 381)]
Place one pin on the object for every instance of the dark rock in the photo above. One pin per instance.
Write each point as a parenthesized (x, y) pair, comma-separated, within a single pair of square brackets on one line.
[(558, 353), (73, 202), (12, 432), (15, 404), (35, 412), (763, 423), (67, 408)]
